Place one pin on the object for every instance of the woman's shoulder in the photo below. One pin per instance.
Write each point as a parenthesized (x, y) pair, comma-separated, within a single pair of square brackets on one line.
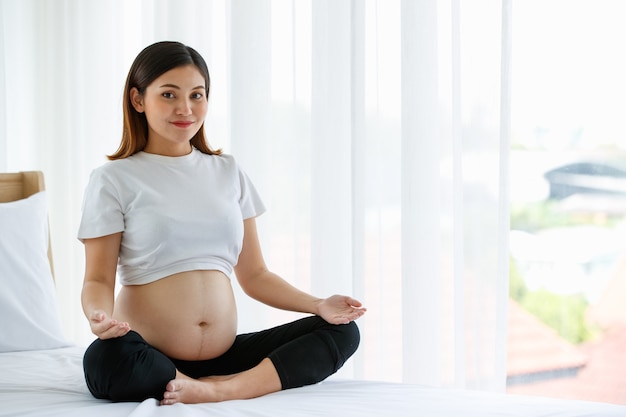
[(221, 157), (111, 168), (222, 161), (114, 172)]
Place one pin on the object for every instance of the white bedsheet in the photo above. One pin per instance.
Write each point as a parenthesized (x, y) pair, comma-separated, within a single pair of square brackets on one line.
[(50, 383)]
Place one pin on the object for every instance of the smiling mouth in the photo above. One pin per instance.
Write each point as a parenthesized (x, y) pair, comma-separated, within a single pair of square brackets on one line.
[(182, 124)]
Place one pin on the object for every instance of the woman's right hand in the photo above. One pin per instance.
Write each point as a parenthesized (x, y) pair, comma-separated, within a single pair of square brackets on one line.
[(106, 327)]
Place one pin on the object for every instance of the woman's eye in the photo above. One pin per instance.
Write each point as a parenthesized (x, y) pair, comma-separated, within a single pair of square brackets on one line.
[(168, 95), (197, 96)]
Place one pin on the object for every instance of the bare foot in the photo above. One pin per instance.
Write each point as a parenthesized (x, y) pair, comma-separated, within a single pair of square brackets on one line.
[(260, 380), (189, 391)]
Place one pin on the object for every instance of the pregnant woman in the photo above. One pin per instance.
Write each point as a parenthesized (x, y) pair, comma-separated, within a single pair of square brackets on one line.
[(173, 219)]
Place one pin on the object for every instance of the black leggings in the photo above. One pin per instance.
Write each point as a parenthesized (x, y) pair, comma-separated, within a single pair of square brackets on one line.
[(303, 352)]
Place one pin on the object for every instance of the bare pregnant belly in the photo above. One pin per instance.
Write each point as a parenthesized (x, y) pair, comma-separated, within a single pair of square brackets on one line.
[(191, 315)]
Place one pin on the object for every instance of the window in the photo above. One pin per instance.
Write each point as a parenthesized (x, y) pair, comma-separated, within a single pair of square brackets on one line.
[(567, 320)]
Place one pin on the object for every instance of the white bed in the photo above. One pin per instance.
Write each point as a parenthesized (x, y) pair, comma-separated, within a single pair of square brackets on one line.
[(41, 374), (49, 383)]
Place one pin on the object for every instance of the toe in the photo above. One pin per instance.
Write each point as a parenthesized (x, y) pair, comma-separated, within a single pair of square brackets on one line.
[(171, 386)]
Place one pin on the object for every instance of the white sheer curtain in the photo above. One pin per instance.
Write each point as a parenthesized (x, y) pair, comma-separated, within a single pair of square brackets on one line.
[(376, 131)]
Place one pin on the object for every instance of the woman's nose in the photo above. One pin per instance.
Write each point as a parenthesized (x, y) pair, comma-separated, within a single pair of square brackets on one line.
[(184, 107)]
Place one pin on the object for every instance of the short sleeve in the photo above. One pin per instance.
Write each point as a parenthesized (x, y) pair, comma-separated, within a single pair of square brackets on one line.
[(250, 200), (101, 212)]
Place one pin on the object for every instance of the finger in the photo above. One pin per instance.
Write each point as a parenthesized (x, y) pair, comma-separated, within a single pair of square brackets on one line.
[(353, 315), (99, 327), (359, 313), (104, 325), (344, 318), (118, 330), (354, 302), (97, 315)]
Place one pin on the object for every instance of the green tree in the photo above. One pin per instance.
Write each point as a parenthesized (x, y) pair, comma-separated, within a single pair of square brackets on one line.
[(563, 313)]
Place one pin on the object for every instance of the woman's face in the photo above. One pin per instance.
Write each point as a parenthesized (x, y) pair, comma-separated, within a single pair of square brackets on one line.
[(175, 105)]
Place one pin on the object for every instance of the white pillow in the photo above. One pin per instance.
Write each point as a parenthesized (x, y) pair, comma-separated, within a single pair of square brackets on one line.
[(29, 311)]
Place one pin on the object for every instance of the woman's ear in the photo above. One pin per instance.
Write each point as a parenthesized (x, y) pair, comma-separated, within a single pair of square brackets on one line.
[(136, 99)]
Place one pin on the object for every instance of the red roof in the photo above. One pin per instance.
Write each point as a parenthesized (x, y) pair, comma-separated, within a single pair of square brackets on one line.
[(610, 310), (534, 347), (603, 378), (600, 366)]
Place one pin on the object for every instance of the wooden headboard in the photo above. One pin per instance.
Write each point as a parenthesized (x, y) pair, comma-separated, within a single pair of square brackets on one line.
[(18, 185)]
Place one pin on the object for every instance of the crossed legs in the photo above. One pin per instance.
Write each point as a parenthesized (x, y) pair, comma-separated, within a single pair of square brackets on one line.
[(295, 354)]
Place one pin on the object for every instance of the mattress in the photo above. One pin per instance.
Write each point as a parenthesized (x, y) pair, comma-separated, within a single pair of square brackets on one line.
[(50, 383)]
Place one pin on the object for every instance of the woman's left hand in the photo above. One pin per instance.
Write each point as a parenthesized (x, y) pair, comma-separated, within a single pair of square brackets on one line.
[(340, 309)]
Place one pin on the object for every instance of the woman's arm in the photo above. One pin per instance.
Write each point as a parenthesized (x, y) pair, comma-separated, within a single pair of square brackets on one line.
[(265, 286), (99, 286)]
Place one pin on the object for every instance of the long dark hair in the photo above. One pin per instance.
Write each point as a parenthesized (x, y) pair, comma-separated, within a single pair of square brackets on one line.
[(151, 63)]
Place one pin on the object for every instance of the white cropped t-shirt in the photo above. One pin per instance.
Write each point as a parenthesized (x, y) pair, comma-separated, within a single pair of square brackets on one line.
[(176, 213)]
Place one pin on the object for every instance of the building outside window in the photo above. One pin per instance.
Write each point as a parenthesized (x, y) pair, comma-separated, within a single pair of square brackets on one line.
[(567, 317)]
